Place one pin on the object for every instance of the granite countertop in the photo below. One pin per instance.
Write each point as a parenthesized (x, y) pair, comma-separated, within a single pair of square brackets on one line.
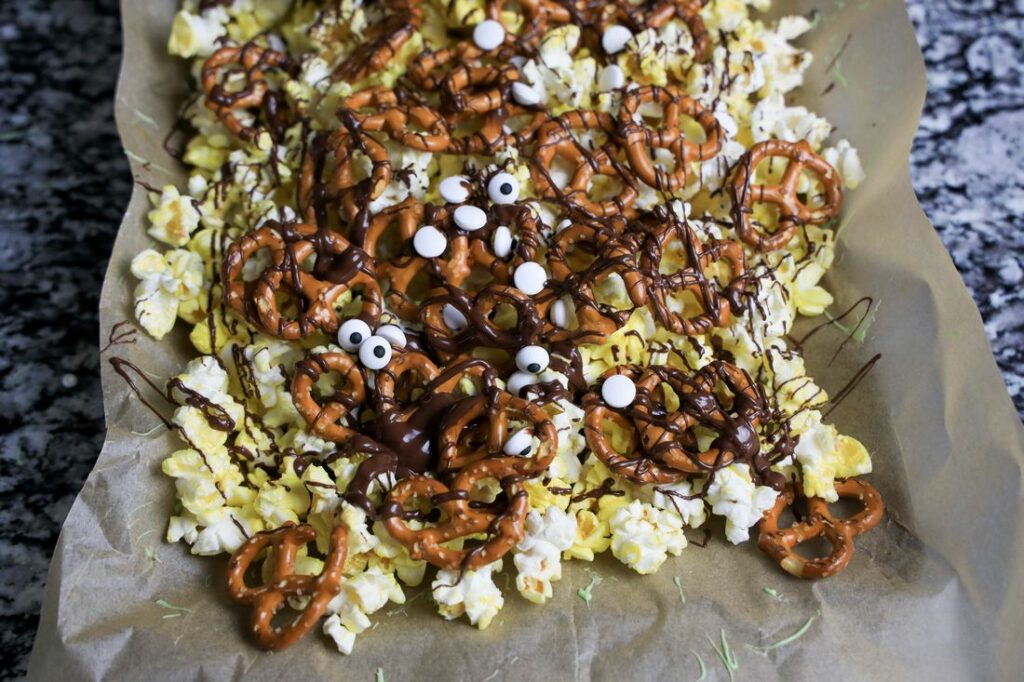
[(64, 185)]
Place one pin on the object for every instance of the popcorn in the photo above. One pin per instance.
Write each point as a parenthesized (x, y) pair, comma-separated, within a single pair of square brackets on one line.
[(844, 158), (361, 595), (538, 556), (643, 536), (471, 593), (195, 35), (772, 119), (824, 455), (732, 494), (174, 217), (167, 281)]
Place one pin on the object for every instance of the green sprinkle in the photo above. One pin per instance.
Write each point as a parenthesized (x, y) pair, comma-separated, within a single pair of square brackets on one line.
[(679, 586), (837, 73), (170, 615), (164, 604), (151, 555), (587, 593), (700, 662), (793, 637), (774, 594), (380, 674), (724, 653)]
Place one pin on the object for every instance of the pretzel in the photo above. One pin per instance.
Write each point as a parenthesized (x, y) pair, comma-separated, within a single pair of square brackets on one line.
[(466, 83), (638, 137), (780, 544), (792, 211), (254, 60), (460, 518), (324, 420), (479, 310), (347, 140), (640, 469), (538, 16), (528, 240), (715, 309), (386, 40), (401, 269), (380, 109), (284, 584), (555, 139), (657, 13), (492, 412), (339, 267)]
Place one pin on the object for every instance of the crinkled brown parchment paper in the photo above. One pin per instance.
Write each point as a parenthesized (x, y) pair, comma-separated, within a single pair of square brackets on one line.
[(935, 592)]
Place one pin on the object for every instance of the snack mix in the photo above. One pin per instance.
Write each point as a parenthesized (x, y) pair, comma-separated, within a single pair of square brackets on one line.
[(480, 286)]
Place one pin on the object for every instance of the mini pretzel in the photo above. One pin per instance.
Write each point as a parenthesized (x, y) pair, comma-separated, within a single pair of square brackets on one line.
[(792, 211), (638, 137), (528, 240), (492, 413), (324, 420), (386, 40), (349, 139), (657, 13), (453, 267), (538, 16), (254, 60), (481, 329), (460, 518), (379, 109), (780, 544), (555, 139), (705, 290), (339, 267), (638, 469), (284, 584)]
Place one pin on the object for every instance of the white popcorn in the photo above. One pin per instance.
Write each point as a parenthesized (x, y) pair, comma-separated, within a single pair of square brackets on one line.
[(844, 158), (643, 536), (732, 494), (568, 422), (362, 594), (824, 455), (167, 280), (538, 557), (772, 119), (195, 35), (693, 512), (174, 217), (472, 593), (224, 536)]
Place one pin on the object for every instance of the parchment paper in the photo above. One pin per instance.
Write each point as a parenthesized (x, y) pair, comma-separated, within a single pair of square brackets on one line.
[(935, 592)]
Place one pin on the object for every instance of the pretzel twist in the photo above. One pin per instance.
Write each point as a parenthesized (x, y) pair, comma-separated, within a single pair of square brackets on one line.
[(326, 419), (268, 599), (780, 543), (638, 138), (461, 519), (386, 39), (254, 62), (491, 413), (792, 211), (339, 267)]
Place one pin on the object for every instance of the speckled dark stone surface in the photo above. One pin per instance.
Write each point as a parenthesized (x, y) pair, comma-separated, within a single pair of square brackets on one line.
[(64, 184)]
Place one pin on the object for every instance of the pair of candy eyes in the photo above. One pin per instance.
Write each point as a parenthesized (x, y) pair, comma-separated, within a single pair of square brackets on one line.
[(502, 188), (374, 349)]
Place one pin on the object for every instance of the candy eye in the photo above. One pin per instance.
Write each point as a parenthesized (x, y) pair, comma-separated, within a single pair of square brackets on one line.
[(453, 318), (375, 353), (352, 333), (530, 278), (532, 359), (519, 443), (501, 241), (615, 38), (429, 242), (518, 381), (393, 333), (618, 391), (503, 188), (488, 35), (470, 218), (454, 189)]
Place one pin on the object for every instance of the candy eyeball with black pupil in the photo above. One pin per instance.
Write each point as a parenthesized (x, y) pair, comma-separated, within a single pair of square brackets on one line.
[(352, 333), (393, 333), (532, 359), (503, 188), (519, 443), (375, 353)]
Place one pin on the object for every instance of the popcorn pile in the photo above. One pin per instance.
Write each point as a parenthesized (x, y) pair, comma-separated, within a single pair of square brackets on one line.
[(316, 260)]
